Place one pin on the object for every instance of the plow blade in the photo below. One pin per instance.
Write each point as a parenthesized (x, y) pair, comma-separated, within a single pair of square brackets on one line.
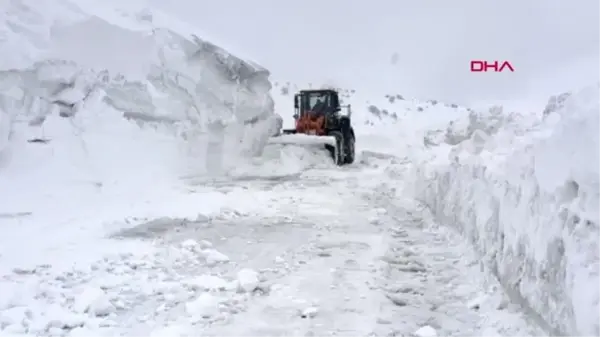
[(303, 140)]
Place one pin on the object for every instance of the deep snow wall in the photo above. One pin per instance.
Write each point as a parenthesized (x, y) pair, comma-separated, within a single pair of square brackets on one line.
[(525, 191), (70, 60)]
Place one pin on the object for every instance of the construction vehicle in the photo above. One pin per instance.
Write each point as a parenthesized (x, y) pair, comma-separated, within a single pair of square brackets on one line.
[(319, 120)]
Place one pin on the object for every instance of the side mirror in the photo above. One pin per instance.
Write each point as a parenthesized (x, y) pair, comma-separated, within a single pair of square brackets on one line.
[(296, 116), (296, 101)]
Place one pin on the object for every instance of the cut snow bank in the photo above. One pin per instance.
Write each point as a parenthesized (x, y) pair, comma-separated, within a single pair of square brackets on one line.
[(102, 112), (92, 94), (525, 191)]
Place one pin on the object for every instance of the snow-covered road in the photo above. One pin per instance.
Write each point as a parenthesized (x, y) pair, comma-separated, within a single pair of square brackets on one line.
[(141, 195), (328, 251)]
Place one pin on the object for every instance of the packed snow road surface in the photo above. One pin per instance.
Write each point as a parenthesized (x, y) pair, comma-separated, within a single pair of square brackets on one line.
[(325, 251)]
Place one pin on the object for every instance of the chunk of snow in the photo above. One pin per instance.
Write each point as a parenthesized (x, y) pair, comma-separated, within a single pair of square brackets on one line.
[(204, 244), (309, 312), (190, 244), (248, 279), (205, 306), (93, 300), (14, 315), (213, 256), (426, 331)]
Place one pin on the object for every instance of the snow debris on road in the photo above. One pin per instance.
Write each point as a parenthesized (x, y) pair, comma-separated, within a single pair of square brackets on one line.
[(133, 290), (140, 196), (247, 279), (427, 331), (331, 271)]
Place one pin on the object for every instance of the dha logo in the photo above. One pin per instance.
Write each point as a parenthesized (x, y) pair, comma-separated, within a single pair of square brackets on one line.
[(478, 66)]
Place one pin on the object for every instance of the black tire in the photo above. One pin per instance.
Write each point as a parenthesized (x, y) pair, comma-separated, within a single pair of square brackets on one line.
[(349, 149), (337, 151)]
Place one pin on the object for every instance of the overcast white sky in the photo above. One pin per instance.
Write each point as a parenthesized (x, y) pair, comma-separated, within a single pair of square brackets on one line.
[(351, 42)]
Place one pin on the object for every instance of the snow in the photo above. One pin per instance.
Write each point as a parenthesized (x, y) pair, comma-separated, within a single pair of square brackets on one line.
[(310, 312), (302, 139), (141, 195), (102, 116), (426, 331), (67, 105), (205, 306), (248, 279), (525, 191), (93, 300)]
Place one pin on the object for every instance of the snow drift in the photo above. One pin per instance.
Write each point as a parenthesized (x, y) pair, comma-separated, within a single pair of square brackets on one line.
[(524, 189), (103, 115), (108, 94)]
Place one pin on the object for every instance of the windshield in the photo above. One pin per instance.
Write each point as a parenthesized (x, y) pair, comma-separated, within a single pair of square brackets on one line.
[(317, 97)]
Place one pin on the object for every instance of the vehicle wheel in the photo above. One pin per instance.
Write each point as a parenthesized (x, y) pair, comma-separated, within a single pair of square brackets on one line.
[(337, 151), (349, 150)]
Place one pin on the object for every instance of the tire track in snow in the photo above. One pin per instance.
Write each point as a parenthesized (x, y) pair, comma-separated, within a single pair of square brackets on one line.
[(334, 271), (387, 272), (337, 240), (434, 278)]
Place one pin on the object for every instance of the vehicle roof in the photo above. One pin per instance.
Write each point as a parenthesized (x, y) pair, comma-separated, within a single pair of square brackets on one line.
[(318, 90)]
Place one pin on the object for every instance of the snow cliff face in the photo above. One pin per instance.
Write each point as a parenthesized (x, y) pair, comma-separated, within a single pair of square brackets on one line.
[(77, 65), (525, 191), (522, 187)]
